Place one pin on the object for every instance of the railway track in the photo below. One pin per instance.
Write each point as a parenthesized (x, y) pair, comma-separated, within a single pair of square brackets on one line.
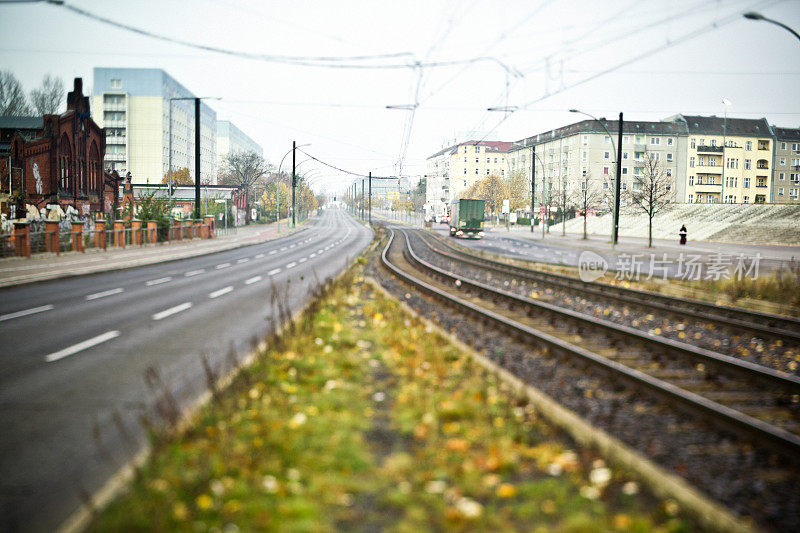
[(753, 401), (763, 325)]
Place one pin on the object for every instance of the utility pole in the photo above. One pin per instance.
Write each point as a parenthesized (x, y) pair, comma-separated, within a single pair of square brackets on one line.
[(533, 184), (362, 198), (370, 198), (294, 183), (196, 158), (618, 185)]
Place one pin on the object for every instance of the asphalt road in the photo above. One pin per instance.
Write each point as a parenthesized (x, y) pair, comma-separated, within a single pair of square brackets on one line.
[(76, 352), (633, 261)]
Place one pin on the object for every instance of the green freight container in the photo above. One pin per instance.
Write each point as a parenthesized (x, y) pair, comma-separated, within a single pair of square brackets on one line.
[(466, 218)]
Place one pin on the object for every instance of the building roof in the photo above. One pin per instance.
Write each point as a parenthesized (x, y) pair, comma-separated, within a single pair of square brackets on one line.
[(787, 134), (491, 146), (22, 123), (182, 192), (714, 125), (593, 126)]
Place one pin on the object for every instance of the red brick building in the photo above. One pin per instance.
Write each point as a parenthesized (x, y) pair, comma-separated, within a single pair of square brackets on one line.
[(56, 159)]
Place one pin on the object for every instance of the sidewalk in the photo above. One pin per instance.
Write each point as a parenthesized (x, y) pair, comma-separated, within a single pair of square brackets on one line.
[(636, 245), (47, 266)]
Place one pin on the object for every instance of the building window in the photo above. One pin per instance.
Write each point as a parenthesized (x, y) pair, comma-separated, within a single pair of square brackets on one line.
[(783, 146), (465, 159), (780, 176), (625, 140), (699, 180), (780, 191), (487, 171), (701, 161), (796, 147), (477, 149), (763, 145), (783, 161), (694, 143), (795, 162), (669, 156), (713, 142), (793, 193), (748, 145), (476, 171), (794, 177), (655, 140), (606, 155), (585, 140), (624, 155), (746, 183), (477, 160), (605, 185), (523, 159), (116, 84), (691, 162), (605, 170), (624, 170), (691, 181), (465, 171), (669, 141), (747, 164), (745, 199), (655, 156), (607, 139)]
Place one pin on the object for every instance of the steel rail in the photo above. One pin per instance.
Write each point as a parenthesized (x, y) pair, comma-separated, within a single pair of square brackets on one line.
[(762, 324), (776, 438)]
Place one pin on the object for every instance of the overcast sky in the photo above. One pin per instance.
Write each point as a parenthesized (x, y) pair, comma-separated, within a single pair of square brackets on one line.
[(648, 59)]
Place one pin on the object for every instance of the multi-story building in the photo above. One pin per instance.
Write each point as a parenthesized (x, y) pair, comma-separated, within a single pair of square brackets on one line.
[(133, 105), (231, 139), (786, 166), (728, 160), (568, 157), (454, 169)]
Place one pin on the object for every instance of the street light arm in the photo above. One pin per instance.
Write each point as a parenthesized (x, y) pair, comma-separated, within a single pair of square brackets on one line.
[(752, 15), (603, 125)]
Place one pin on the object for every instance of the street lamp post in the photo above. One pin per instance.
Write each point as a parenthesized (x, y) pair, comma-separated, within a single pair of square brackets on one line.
[(751, 15), (196, 147), (618, 184), (278, 182)]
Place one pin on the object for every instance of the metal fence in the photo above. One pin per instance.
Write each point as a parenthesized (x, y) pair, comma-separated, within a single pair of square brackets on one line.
[(40, 237)]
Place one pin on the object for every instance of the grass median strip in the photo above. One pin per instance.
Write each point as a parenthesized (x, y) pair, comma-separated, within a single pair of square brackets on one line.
[(364, 420)]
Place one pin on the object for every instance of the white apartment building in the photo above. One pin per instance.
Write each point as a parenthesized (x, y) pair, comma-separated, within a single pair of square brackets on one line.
[(134, 107), (452, 170), (231, 139), (587, 151)]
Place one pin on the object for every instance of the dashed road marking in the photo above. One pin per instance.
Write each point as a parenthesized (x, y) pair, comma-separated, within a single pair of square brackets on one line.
[(312, 256), (85, 345), (172, 310), (26, 312), (194, 272), (158, 281), (217, 294), (103, 294), (292, 246), (283, 249), (259, 256), (291, 265), (273, 271), (242, 260), (252, 280), (303, 260), (272, 252), (320, 251), (223, 265)]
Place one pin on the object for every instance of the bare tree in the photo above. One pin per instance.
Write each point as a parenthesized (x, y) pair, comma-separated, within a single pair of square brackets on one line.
[(245, 169), (587, 197), (46, 100), (651, 190), (13, 101)]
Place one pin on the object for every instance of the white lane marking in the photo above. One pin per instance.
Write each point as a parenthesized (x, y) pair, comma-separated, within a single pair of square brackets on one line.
[(303, 260), (320, 251), (242, 260), (103, 294), (158, 281), (283, 249), (172, 310), (292, 246), (252, 280), (27, 312), (217, 294), (194, 272), (312, 256), (223, 265), (291, 265), (273, 271), (271, 252), (75, 348), (259, 256)]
